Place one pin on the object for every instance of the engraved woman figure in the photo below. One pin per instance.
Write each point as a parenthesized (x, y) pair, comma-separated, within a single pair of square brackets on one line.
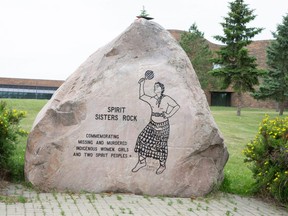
[(152, 141)]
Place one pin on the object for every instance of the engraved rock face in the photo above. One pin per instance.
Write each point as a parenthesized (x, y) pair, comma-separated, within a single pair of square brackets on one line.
[(132, 118)]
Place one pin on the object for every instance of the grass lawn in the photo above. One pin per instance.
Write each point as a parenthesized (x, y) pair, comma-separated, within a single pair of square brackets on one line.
[(237, 132)]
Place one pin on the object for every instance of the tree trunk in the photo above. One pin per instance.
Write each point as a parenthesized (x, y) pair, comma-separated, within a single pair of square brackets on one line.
[(281, 108), (238, 111), (239, 95), (277, 107)]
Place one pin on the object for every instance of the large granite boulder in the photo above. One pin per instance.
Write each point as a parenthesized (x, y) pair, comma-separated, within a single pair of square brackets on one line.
[(132, 118)]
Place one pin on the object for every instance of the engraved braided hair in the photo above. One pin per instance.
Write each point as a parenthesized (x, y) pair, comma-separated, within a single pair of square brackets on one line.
[(162, 91)]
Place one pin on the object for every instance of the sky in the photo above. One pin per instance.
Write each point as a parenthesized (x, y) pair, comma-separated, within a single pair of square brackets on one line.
[(50, 39)]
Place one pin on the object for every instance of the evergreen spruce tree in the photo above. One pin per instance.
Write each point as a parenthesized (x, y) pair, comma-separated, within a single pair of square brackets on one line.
[(275, 84), (197, 49), (143, 12), (237, 68)]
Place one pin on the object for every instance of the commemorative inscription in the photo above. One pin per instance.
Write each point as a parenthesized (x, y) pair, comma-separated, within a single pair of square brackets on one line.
[(112, 115), (102, 145), (152, 142), (105, 145)]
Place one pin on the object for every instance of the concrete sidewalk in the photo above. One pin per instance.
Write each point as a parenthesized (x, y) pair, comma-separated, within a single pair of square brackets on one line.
[(33, 203)]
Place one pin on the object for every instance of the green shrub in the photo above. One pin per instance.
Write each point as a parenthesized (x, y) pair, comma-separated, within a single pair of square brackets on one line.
[(268, 155), (9, 134)]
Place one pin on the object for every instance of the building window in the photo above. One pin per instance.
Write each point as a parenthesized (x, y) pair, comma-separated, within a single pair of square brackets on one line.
[(220, 98), (26, 92)]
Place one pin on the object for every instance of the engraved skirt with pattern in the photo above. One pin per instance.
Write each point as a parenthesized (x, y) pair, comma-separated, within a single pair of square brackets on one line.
[(153, 140)]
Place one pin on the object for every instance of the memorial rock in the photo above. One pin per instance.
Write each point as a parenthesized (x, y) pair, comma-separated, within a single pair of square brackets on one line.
[(132, 118)]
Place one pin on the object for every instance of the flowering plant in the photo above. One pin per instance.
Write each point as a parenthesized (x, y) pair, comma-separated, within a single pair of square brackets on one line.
[(268, 155), (9, 133)]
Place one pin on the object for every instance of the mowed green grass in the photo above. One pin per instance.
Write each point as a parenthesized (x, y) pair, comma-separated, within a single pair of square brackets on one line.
[(236, 130), (31, 106)]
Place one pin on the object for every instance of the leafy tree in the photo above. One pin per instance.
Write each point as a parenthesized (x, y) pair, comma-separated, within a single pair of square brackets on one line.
[(237, 68), (275, 84), (197, 49)]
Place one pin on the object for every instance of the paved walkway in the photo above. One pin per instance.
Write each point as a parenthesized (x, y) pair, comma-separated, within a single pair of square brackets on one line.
[(33, 203)]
